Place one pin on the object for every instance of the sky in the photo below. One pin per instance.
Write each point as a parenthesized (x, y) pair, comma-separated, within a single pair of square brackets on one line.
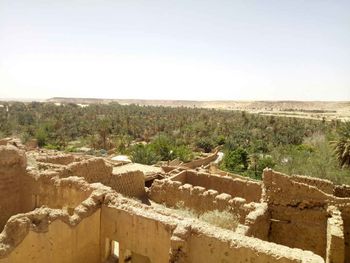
[(175, 49)]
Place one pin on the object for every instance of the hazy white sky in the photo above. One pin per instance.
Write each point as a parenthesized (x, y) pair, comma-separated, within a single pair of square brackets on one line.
[(175, 49)]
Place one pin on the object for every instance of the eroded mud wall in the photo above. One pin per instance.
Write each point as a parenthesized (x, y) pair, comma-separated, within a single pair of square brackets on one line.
[(61, 243), (346, 226), (95, 170), (249, 190), (12, 171), (298, 213), (135, 232)]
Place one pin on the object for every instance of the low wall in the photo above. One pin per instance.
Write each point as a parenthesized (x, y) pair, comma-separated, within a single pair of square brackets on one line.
[(62, 159), (342, 190), (199, 199), (335, 236), (202, 161), (257, 222), (220, 246), (280, 189), (325, 186), (249, 190)]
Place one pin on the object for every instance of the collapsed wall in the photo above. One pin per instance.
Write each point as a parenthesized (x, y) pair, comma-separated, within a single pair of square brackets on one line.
[(54, 235), (169, 238), (300, 209), (93, 170)]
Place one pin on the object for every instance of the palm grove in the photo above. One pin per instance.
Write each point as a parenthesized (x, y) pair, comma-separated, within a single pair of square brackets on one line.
[(250, 142)]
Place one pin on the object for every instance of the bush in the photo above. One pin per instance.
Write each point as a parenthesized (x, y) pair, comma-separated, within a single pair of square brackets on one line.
[(42, 137), (144, 154), (183, 153), (235, 160), (163, 147), (206, 144)]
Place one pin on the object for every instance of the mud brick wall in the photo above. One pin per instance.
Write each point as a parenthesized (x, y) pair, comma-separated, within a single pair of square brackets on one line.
[(12, 170), (323, 185), (249, 190), (199, 199), (342, 190), (130, 184)]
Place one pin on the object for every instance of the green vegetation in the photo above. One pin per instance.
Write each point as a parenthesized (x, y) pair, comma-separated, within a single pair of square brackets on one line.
[(149, 134)]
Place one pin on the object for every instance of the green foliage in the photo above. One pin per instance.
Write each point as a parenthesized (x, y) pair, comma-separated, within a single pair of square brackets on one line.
[(206, 144), (235, 160), (163, 147), (342, 146), (52, 147), (220, 140), (296, 145), (144, 154), (319, 162), (42, 136), (183, 153)]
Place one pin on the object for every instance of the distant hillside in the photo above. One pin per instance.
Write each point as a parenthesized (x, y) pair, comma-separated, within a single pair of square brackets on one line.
[(300, 109)]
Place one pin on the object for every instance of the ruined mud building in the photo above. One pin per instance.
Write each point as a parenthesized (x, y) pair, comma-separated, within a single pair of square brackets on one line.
[(67, 208)]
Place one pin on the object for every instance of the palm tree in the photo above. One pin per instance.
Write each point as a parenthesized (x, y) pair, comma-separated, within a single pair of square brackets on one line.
[(342, 152), (342, 146), (253, 162)]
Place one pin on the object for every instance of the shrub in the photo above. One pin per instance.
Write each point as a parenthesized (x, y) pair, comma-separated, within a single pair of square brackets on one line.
[(144, 154), (235, 160), (183, 153), (206, 144)]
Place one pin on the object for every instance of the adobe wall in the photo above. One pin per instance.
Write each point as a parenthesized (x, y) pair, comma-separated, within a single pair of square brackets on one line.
[(325, 186), (342, 190), (130, 184), (220, 246), (202, 161), (62, 159), (136, 231), (299, 228), (257, 222), (49, 190), (213, 169), (54, 235), (345, 213), (297, 209), (249, 190), (199, 199), (280, 189), (335, 236), (94, 170), (56, 241), (162, 237), (12, 169)]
